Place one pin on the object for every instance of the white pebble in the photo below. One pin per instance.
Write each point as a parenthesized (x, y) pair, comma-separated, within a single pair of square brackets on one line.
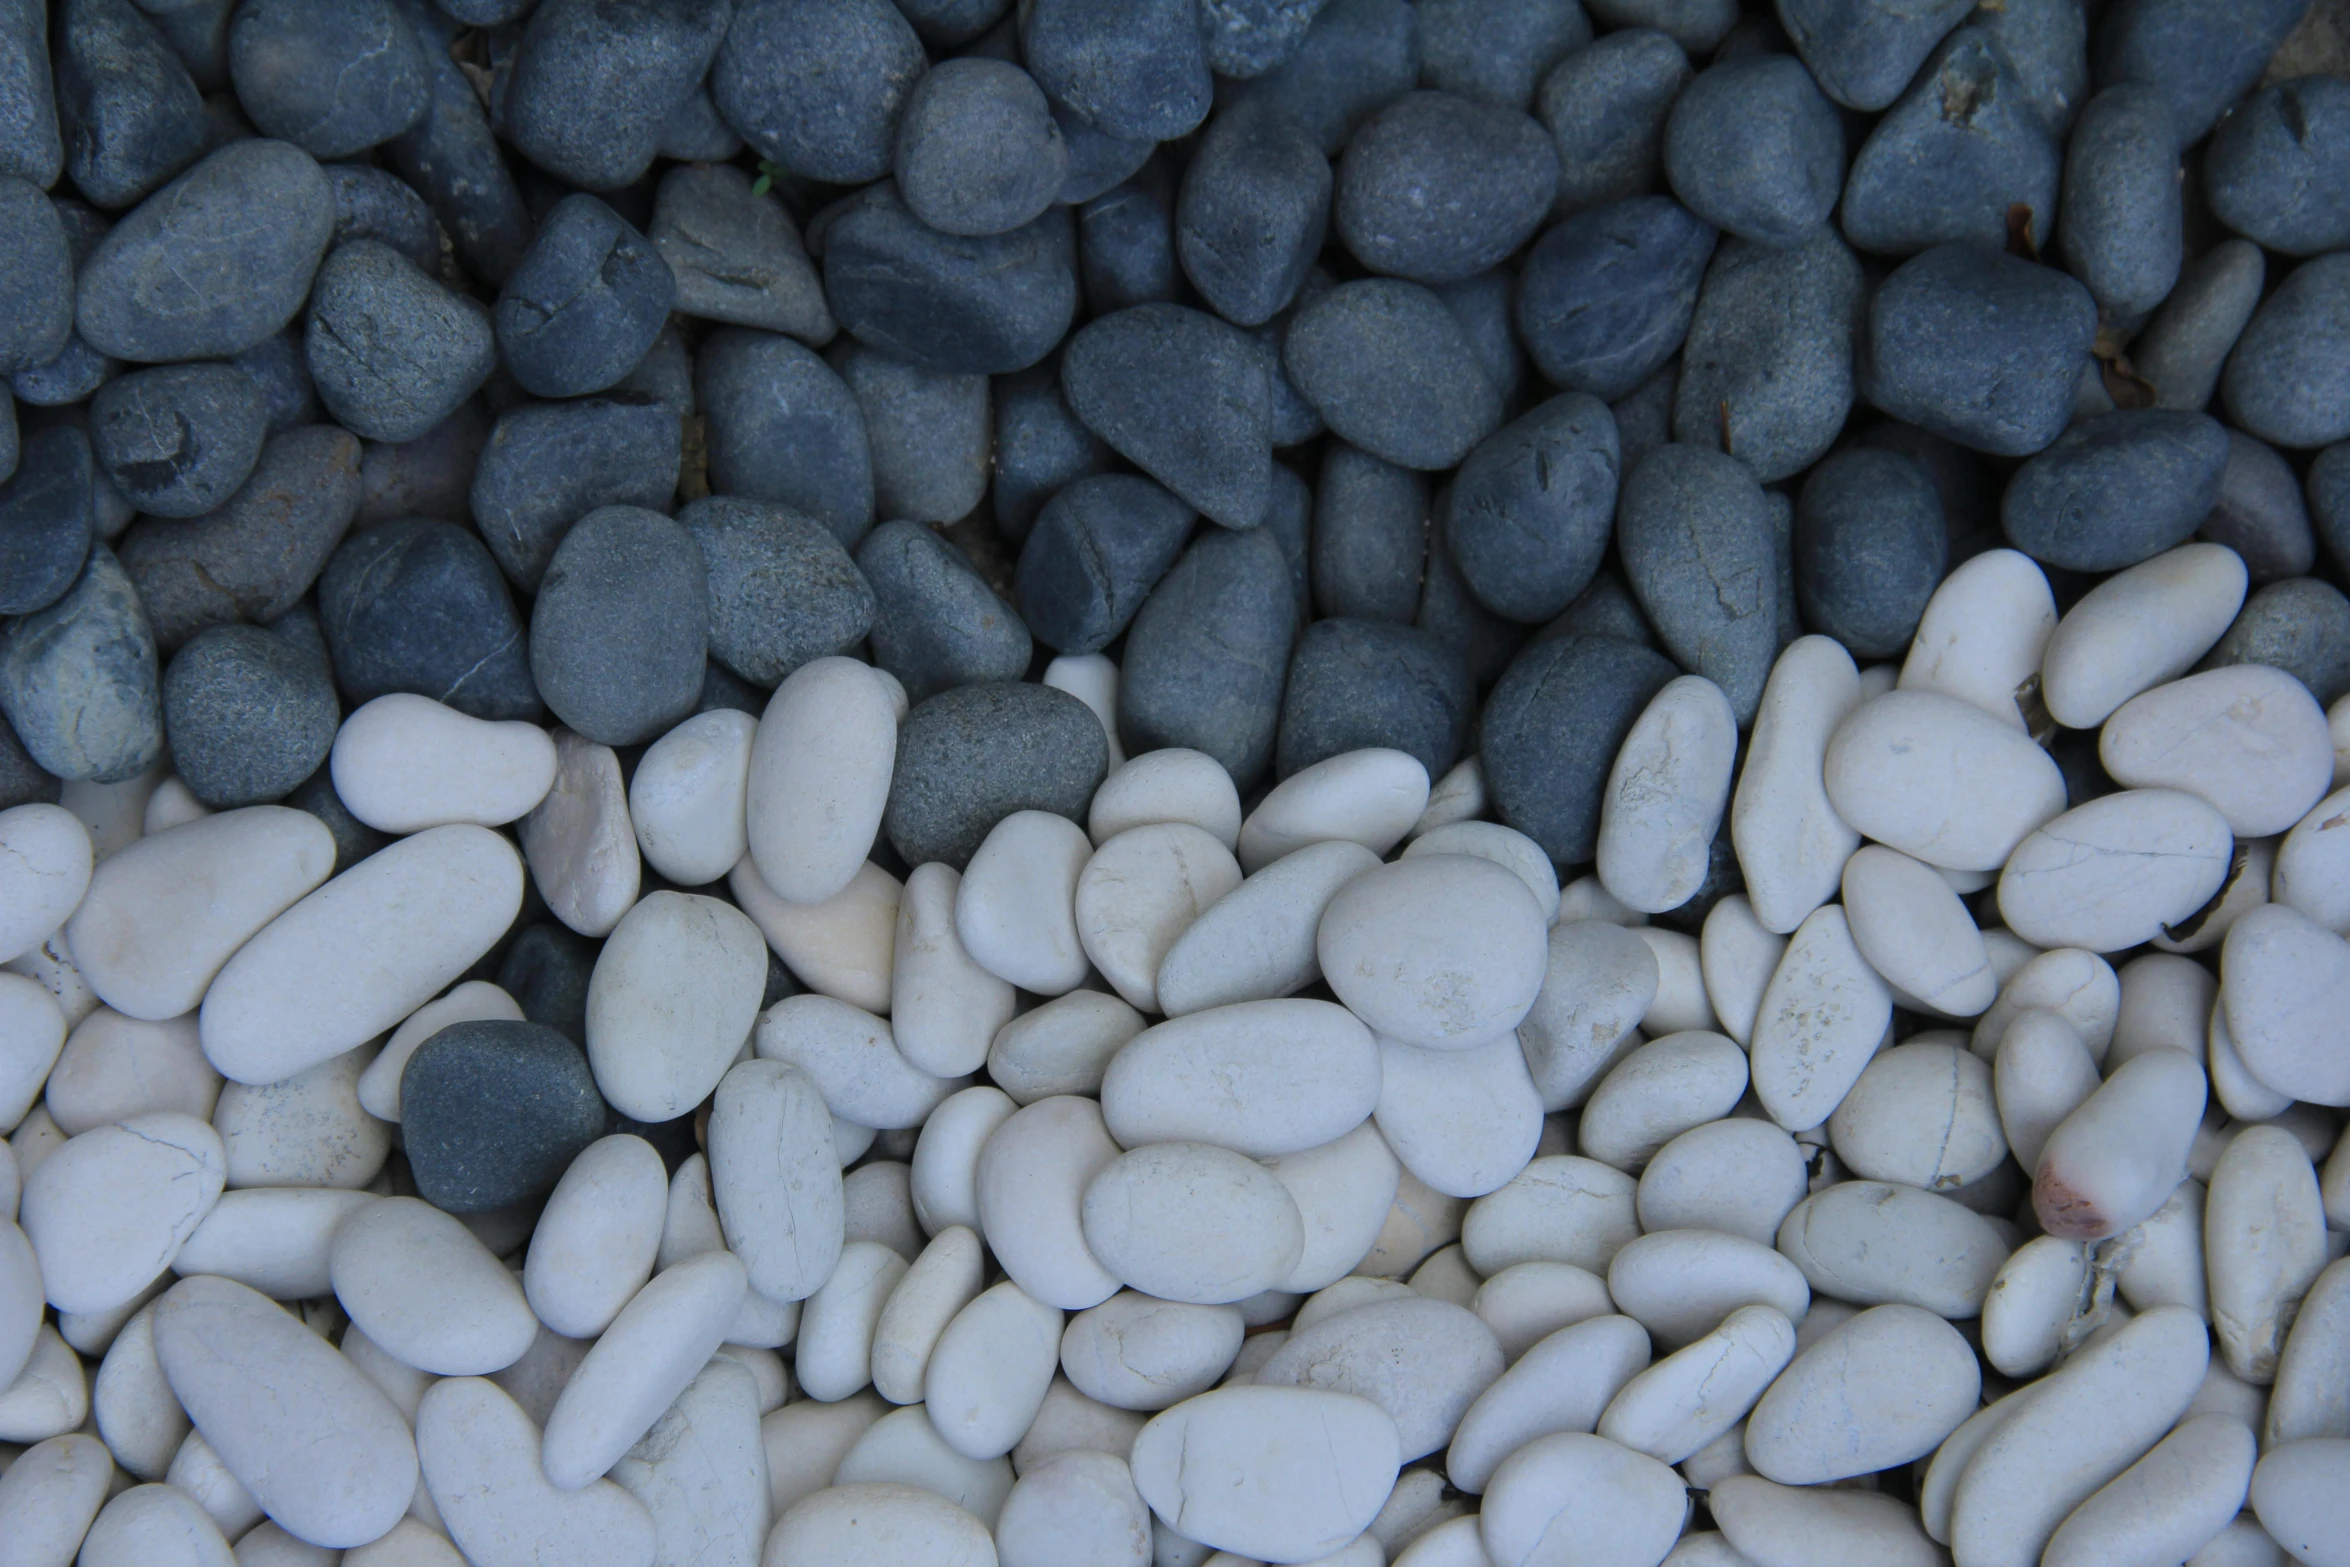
[(819, 777), (2115, 872), (943, 1175), (1739, 1175), (1371, 797), (988, 1375), (1134, 1352), (1802, 1526), (1915, 932), (1443, 952), (1940, 779), (942, 1280), (45, 863), (1259, 1077), (1664, 1088), (2111, 1163), (775, 1178), (579, 841), (2139, 628), (114, 1067), (1192, 1222), (686, 799), (1562, 1383), (154, 1526), (652, 1350), (32, 1032), (673, 995), (1283, 1473), (903, 1446), (1173, 785), (1822, 1017), (304, 1130), (1790, 841), (1873, 1244), (1559, 1208), (2166, 1506), (1983, 633), (1256, 943), (1663, 800), (1031, 1180), (1076, 1509), (834, 1355), (48, 1497), (1137, 895), (1681, 1003), (420, 1285), (1089, 677), (597, 1238), (2264, 1238), (1618, 1507), (1736, 958), (1695, 1394), (944, 1008), (1016, 910), (2247, 738), (2301, 1493), (1464, 1121), (2041, 1075), (1880, 1391), (701, 1472), (404, 762), (109, 1211), (1344, 1190), (843, 947), (275, 1239), (2079, 985), (480, 1453), (853, 1060), (2285, 988), (1598, 981), (1924, 1113), (1681, 1284), (879, 1525)]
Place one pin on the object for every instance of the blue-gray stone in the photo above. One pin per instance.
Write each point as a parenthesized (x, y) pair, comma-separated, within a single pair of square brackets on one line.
[(1753, 148), (1978, 346), (782, 426), (696, 133), (248, 715), (2260, 513), (2116, 489), (949, 24), (1481, 304), (2299, 625), (431, 476), (1530, 512), (970, 757), (927, 431), (391, 352), (1206, 656), (1370, 539), (1134, 67), (1293, 420), (1698, 26), (1390, 370), (277, 366), (213, 262), (2046, 46), (592, 82), (1766, 373), (2205, 54), (1126, 243), (334, 77), (1253, 213), (977, 151), (1968, 489), (546, 970), (1644, 415), (585, 302), (1436, 187), (418, 605), (22, 782), (621, 627), (984, 305), (1864, 52), (1247, 38), (2278, 168), (1357, 57), (1449, 612), (492, 1113), (1182, 396), (1701, 553), (1098, 548), (36, 295), (2328, 488), (818, 85), (1360, 683), (782, 590), (1289, 517), (735, 256), (371, 204), (1551, 730), (1605, 297), (1497, 50), (78, 679), (47, 520), (2122, 210), (2288, 380), (1098, 161), (1606, 108), (198, 34), (936, 622), (30, 147), (1870, 548), (1039, 447), (1604, 609), (130, 116), (546, 465), (451, 158)]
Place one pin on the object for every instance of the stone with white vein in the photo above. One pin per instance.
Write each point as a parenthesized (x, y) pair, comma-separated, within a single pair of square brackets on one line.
[(404, 762), (1663, 800)]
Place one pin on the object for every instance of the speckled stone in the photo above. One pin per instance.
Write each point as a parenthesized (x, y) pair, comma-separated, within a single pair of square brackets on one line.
[(584, 303), (818, 85), (978, 305), (493, 1113), (431, 476), (372, 204), (2117, 489), (1605, 107), (178, 440), (334, 77), (130, 115), (2260, 513), (1358, 56), (451, 159), (1436, 187), (2299, 625), (2278, 168), (782, 590), (1206, 655), (977, 150), (926, 430), (1754, 149), (782, 426), (1497, 50), (621, 626), (248, 714), (78, 680), (47, 520), (1097, 550), (1126, 251), (1551, 730), (1040, 446), (1766, 374), (1390, 370), (735, 256), (936, 622), (546, 465), (1870, 548), (1134, 67), (546, 970), (1605, 297), (1253, 212), (418, 605), (1358, 683), (2288, 380), (591, 84), (1247, 38), (1370, 536), (2123, 209), (1700, 551), (970, 757), (1532, 508), (391, 352), (37, 292), (2204, 56), (1865, 51)]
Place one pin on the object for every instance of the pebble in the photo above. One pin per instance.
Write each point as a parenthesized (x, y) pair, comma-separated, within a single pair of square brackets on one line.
[(1426, 142), (735, 257), (1031, 1174), (422, 1288), (1930, 361), (819, 778), (985, 306), (493, 1110), (391, 352), (1940, 780), (688, 799), (970, 757), (2117, 871), (1219, 1466), (78, 679), (154, 1523), (545, 465), (1454, 985), (617, 636), (2247, 738), (1063, 1046), (1551, 730), (1752, 147), (907, 1524), (1624, 1506), (418, 605), (2138, 629), (480, 1456), (1873, 1244), (1606, 296)]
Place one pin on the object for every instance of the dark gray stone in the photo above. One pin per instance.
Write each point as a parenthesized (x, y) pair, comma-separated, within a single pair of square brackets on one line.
[(248, 715), (977, 151), (278, 366), (1606, 108), (334, 77), (1039, 447), (665, 374), (1182, 396), (722, 688), (1357, 57), (431, 476), (370, 204), (1126, 243), (2116, 489), (2122, 210), (695, 132), (1254, 210), (29, 145), (587, 300), (2046, 45), (1551, 730), (818, 85), (1098, 548), (1247, 38), (546, 465), (391, 352), (985, 305), (1531, 509), (1098, 161), (69, 378), (1978, 346), (936, 622), (1604, 609), (2288, 380), (78, 679), (1766, 373), (592, 83), (1968, 489), (782, 590), (1289, 517), (418, 605), (1483, 641), (2299, 625), (1359, 683), (1293, 419), (736, 257), (198, 34), (547, 970), (212, 263), (1864, 52), (1606, 296), (1701, 554), (1962, 147), (970, 757), (2260, 514), (1370, 544), (1644, 415), (1481, 305), (493, 1113), (22, 782), (782, 426), (948, 24), (1206, 655), (1390, 370), (2204, 53), (927, 431), (258, 554), (1870, 547), (2329, 501), (452, 160), (1754, 149), (1696, 25), (47, 520), (2278, 168), (1437, 187), (1134, 67), (130, 116), (621, 626), (1497, 50)]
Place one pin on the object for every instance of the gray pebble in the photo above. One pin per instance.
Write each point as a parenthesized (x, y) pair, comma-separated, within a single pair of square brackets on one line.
[(29, 145), (1436, 187), (1039, 446), (178, 439), (1358, 56), (1254, 210), (1135, 68), (818, 85), (2278, 168), (431, 476), (1390, 370), (334, 77), (418, 605), (948, 24), (1532, 507), (2299, 625), (782, 426), (621, 626), (130, 116), (1126, 243), (1606, 108), (970, 757), (2121, 209), (985, 305), (1605, 297), (391, 352), (546, 971), (735, 256), (1979, 347), (695, 132), (1206, 654), (1289, 517), (370, 204), (493, 1113), (1293, 420), (1370, 537), (1449, 612), (1604, 609), (1754, 149), (2205, 54), (936, 622), (2116, 489), (1098, 161), (22, 782), (46, 520), (1766, 374), (585, 302), (276, 365), (591, 84), (2328, 487), (36, 295), (782, 590), (1551, 730), (78, 679), (1359, 683), (255, 556), (1247, 38), (1182, 396), (546, 465), (977, 150), (1696, 25), (248, 715), (198, 34), (214, 262), (2046, 45), (1962, 147), (2182, 350), (927, 431), (722, 688), (1700, 552), (1644, 415), (1864, 52), (451, 159), (2288, 379), (1097, 550), (1968, 490), (1870, 547), (2260, 513), (1495, 51), (1482, 306), (665, 374)]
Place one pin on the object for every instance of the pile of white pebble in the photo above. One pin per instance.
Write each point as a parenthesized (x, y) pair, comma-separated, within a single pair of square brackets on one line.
[(1195, 1186)]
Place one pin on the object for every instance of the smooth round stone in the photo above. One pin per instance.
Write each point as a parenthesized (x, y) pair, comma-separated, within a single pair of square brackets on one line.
[(1029, 1185), (471, 1001), (1133, 1352), (248, 715), (977, 149), (2115, 872), (675, 991), (2180, 1496), (402, 763), (1276, 1472), (854, 1061), (333, 1462), (2078, 985), (1136, 377), (1558, 1208), (1257, 942), (991, 1370), (1696, 1395), (1983, 632), (2280, 383), (1061, 1047), (1934, 347), (1822, 1017), (1681, 1284), (1192, 1222), (1440, 951), (2278, 971), (114, 1067), (619, 632), (1016, 909), (51, 1493), (1075, 1506), (577, 841), (419, 1284), (78, 679), (1407, 204), (945, 1010), (492, 1112), (1940, 779), (1791, 842), (305, 1130), (1872, 1243), (782, 589), (905, 1446), (1170, 785), (1690, 514), (687, 800), (46, 517), (109, 1210), (1777, 1525), (45, 864), (276, 1240), (839, 948), (2297, 1495), (419, 605), (1621, 1508), (595, 1243), (880, 1524), (22, 1307), (944, 1277), (1139, 892), (775, 1178), (1738, 1176), (1263, 1078), (1370, 796), (2086, 1187), (972, 756), (1658, 1091), (1913, 930), (1605, 297), (1921, 1114), (2309, 873), (1879, 1391), (2139, 628), (1423, 1361), (480, 1454), (1504, 846), (652, 1350), (50, 1397), (2247, 738), (1665, 795), (154, 1526), (2264, 1243), (390, 351), (1562, 1383)]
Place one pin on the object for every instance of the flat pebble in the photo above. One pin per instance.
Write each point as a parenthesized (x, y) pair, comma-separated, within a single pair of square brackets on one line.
[(1940, 779)]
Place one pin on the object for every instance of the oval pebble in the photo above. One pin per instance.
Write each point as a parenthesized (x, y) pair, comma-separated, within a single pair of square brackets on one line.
[(598, 1237), (1016, 910), (819, 777), (1739, 1176), (2281, 980), (1665, 795), (1134, 1352), (840, 947), (404, 762), (687, 799), (854, 1061), (1922, 1114), (1681, 1284), (1698, 1392), (2116, 871), (1558, 1208), (1984, 634), (1822, 1018), (945, 1010), (422, 1287), (1030, 1184), (1192, 1222), (480, 1454), (2246, 738), (1259, 1077), (1621, 1508), (45, 862), (2139, 628), (1287, 1473), (1911, 927), (107, 1212), (1662, 1089), (775, 1177), (1874, 1244), (1442, 952), (1781, 1526), (990, 1371), (1371, 797), (154, 1526), (1423, 1361), (1562, 1383), (1257, 942), (1790, 840), (1463, 1121), (880, 1525), (673, 994), (1879, 1391), (1940, 779), (1137, 895)]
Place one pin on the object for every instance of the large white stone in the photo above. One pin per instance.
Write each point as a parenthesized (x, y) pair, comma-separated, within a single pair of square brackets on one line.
[(109, 1211), (854, 1061), (1573, 1497), (819, 777), (1445, 951), (422, 1287), (1192, 1222), (1016, 910), (1913, 930), (1464, 1121), (775, 1177), (480, 1454), (1922, 1114), (1259, 1077), (1170, 785), (1822, 1018), (1983, 633), (1664, 796), (686, 798), (1562, 1383), (1137, 895), (1134, 1352), (1371, 797), (2249, 739), (45, 862), (1873, 1243), (2139, 628), (1281, 1474), (1423, 1361), (944, 1009), (1256, 943), (673, 996), (114, 1067), (1790, 841), (988, 1375), (2285, 990), (404, 762), (1030, 1184), (49, 1496), (842, 947), (1877, 1392), (598, 1236), (275, 1239), (879, 1525), (1940, 779), (652, 1350), (702, 1473), (580, 844)]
